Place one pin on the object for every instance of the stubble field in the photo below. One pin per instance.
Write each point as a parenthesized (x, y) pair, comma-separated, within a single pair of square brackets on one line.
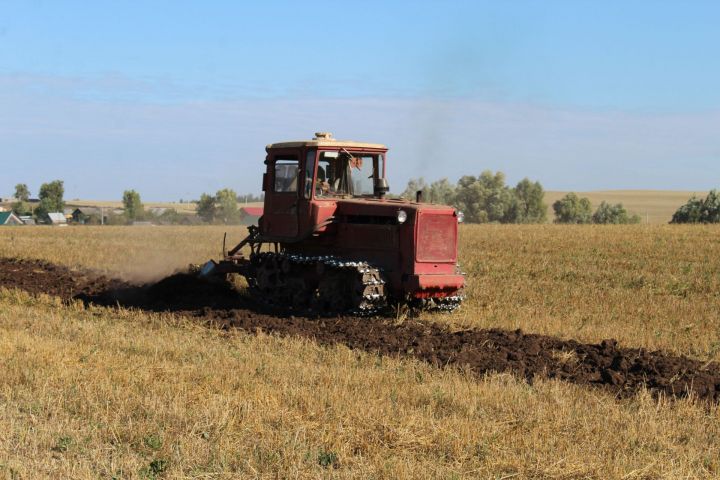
[(89, 389)]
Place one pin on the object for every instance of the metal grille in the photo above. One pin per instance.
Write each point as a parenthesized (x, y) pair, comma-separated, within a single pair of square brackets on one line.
[(437, 238)]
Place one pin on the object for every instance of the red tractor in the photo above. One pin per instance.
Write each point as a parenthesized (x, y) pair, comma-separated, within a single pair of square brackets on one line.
[(330, 241)]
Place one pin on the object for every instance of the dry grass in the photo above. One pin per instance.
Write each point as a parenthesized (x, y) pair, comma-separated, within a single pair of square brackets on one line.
[(88, 393), (140, 253), (656, 287)]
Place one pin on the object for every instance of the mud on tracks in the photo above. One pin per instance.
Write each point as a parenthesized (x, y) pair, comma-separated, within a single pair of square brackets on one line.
[(622, 371)]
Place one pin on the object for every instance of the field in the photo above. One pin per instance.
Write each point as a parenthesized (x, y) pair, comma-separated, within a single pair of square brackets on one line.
[(111, 386), (185, 207), (180, 207)]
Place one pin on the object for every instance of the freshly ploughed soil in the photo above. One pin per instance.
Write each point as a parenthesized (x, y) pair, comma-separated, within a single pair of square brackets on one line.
[(622, 371)]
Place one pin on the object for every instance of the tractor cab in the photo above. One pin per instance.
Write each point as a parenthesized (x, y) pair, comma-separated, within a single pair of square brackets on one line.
[(306, 178)]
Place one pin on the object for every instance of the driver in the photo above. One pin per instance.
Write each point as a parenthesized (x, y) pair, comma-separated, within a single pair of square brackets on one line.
[(321, 181), (334, 177)]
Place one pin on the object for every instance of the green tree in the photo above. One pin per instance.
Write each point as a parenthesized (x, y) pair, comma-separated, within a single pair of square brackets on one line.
[(529, 206), (485, 198), (51, 198), (468, 199), (413, 186), (170, 217), (699, 210), (134, 209), (206, 208), (22, 192), (691, 212), (226, 205), (572, 209), (441, 192), (21, 208), (614, 214), (711, 207)]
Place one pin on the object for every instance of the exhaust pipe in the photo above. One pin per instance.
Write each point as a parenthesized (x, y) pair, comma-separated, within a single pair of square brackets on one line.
[(418, 196), (381, 187)]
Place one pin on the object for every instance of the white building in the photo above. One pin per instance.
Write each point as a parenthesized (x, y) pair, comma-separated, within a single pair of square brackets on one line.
[(57, 218)]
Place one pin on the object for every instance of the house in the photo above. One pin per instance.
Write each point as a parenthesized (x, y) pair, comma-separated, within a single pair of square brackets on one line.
[(67, 211), (85, 215), (57, 218), (27, 219), (250, 215), (9, 218)]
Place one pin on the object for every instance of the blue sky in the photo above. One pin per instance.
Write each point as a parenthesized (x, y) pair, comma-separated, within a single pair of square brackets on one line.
[(177, 98)]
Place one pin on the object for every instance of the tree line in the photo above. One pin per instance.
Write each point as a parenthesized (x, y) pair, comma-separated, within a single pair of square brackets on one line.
[(573, 209), (219, 208), (483, 199), (488, 199)]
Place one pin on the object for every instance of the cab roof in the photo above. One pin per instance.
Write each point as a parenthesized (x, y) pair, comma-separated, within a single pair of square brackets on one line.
[(325, 139)]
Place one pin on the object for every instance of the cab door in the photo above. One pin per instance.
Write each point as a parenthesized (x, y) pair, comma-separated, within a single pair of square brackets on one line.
[(305, 219), (280, 218)]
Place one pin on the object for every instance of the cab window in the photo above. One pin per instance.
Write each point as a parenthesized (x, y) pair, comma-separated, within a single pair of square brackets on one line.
[(286, 174), (347, 174)]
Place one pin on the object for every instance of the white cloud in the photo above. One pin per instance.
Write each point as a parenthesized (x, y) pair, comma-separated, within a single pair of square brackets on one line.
[(119, 138)]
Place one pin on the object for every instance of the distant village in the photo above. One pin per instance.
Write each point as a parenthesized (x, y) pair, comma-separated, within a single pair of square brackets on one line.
[(225, 207), (92, 215)]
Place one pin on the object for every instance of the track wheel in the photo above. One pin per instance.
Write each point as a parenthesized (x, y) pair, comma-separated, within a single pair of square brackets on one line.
[(332, 293), (299, 293)]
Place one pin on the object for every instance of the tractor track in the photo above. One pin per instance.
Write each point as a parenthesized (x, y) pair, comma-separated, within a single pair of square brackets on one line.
[(621, 371)]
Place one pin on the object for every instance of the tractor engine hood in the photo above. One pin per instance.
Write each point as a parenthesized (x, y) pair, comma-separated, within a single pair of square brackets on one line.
[(356, 209), (427, 232)]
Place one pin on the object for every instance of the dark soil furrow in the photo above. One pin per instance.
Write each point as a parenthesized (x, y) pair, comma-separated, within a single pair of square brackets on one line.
[(622, 371)]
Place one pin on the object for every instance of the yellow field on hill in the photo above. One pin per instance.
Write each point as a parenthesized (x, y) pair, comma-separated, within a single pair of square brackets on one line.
[(653, 206), (180, 207), (95, 392)]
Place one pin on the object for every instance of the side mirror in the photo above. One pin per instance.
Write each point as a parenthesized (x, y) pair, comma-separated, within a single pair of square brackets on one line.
[(381, 187), (264, 182)]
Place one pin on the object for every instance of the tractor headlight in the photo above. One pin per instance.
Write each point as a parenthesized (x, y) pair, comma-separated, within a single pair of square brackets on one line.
[(401, 216), (460, 216)]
